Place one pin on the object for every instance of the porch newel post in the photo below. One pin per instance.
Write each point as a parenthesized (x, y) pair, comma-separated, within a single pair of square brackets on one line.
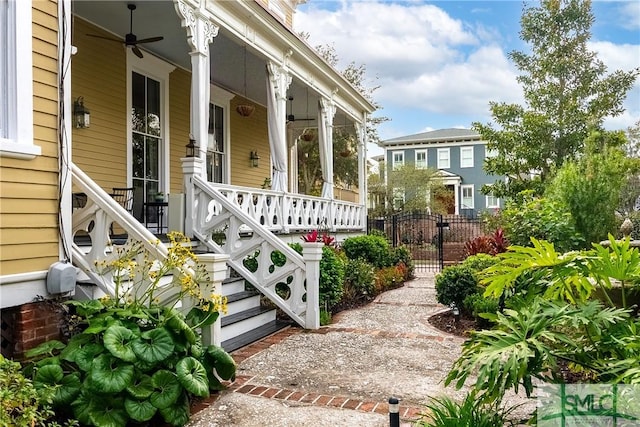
[(200, 33), (190, 166), (312, 253), (216, 266)]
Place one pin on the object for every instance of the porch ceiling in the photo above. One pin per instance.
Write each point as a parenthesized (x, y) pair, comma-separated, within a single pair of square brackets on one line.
[(159, 18)]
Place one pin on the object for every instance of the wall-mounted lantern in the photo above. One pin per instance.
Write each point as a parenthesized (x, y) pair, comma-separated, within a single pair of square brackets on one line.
[(193, 150), (254, 159), (81, 114)]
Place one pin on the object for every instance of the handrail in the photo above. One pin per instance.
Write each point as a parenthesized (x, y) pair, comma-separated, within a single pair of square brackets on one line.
[(214, 212), (96, 218)]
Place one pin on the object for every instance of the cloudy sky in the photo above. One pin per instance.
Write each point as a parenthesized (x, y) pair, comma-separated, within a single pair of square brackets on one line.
[(439, 63)]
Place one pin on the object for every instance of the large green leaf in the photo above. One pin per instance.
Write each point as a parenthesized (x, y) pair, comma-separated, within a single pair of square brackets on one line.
[(222, 361), (87, 354), (86, 308), (177, 323), (140, 410), (109, 413), (99, 324), (167, 389), (82, 407), (76, 342), (50, 374), (117, 339), (177, 414), (45, 348), (193, 376), (111, 375), (141, 387), (154, 345), (201, 318)]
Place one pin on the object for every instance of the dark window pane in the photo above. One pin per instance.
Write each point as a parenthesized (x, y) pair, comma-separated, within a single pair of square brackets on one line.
[(152, 158), (138, 102), (153, 107), (138, 155)]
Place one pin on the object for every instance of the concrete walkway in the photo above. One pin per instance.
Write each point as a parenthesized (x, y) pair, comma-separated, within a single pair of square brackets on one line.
[(342, 374)]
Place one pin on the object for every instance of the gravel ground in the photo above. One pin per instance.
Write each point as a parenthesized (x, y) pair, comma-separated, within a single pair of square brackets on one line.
[(386, 348)]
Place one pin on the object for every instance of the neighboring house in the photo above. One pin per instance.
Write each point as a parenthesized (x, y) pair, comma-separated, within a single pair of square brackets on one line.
[(458, 155), (200, 111)]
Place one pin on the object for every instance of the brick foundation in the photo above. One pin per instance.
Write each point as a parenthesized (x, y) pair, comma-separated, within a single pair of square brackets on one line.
[(25, 327)]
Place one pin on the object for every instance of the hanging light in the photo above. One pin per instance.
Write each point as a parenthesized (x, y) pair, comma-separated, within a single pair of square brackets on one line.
[(245, 110), (81, 114)]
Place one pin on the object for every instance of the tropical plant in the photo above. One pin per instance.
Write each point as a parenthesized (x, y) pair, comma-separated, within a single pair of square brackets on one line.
[(134, 359), (359, 280), (471, 412)]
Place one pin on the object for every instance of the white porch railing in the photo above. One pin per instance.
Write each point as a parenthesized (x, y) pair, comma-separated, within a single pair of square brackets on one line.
[(227, 222), (285, 212), (96, 218)]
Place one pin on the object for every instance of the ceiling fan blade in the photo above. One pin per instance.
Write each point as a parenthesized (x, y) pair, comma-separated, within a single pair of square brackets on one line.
[(137, 51), (151, 39), (113, 39)]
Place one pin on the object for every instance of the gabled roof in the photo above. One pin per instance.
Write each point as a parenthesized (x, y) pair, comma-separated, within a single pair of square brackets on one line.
[(434, 136)]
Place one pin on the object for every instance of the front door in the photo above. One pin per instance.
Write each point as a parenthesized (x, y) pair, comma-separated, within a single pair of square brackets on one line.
[(146, 140)]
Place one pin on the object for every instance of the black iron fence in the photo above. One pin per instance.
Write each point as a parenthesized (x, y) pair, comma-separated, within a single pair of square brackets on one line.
[(433, 240)]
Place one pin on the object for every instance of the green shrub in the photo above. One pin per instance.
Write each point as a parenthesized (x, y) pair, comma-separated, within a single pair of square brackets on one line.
[(359, 280), (402, 254), (454, 284), (21, 404), (542, 218), (331, 278), (373, 249), (325, 317), (471, 412), (480, 261), (478, 304)]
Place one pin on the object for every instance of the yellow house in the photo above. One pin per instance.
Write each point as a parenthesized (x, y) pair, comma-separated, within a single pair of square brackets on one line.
[(204, 102)]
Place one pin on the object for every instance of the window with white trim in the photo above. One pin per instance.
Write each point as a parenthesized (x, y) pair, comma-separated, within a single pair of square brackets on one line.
[(492, 201), (466, 157), (16, 82), (467, 197), (421, 159), (397, 159), (443, 158)]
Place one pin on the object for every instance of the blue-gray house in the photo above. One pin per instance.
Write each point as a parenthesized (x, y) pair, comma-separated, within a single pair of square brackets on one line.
[(458, 155)]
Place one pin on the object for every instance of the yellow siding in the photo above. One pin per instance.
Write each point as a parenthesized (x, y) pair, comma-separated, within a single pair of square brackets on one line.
[(99, 76), (179, 116), (29, 188), (249, 134)]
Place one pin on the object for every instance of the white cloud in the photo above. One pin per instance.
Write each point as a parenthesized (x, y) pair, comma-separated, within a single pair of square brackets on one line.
[(629, 14)]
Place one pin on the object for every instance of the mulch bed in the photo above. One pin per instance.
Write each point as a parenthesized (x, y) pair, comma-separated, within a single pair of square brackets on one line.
[(446, 322)]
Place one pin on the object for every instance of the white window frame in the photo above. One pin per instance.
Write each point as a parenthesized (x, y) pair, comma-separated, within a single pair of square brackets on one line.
[(462, 196), (222, 98), (441, 161), (159, 70), (466, 161), (396, 165), (421, 166), (16, 139), (490, 198)]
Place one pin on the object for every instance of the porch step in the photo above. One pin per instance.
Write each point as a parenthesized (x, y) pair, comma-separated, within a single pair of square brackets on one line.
[(245, 321), (241, 301), (254, 335)]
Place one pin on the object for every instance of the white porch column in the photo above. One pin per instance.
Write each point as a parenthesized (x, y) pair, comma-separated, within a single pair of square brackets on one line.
[(361, 133), (190, 166), (312, 254), (216, 266), (278, 82), (200, 33), (456, 197), (326, 112)]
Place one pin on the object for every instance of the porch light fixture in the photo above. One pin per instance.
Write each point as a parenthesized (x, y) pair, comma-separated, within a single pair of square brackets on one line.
[(193, 150), (81, 114), (245, 110), (254, 158)]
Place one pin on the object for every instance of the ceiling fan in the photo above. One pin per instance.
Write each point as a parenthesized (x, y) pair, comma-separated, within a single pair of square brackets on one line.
[(130, 39), (291, 117)]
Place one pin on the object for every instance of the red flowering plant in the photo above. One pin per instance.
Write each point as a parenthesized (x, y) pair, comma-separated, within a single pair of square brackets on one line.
[(314, 236), (311, 236)]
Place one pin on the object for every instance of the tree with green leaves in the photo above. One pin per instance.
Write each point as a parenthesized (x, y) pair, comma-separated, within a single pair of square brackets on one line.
[(413, 190), (567, 93)]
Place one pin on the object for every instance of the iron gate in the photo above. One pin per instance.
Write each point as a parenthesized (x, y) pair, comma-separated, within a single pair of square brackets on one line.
[(434, 240)]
